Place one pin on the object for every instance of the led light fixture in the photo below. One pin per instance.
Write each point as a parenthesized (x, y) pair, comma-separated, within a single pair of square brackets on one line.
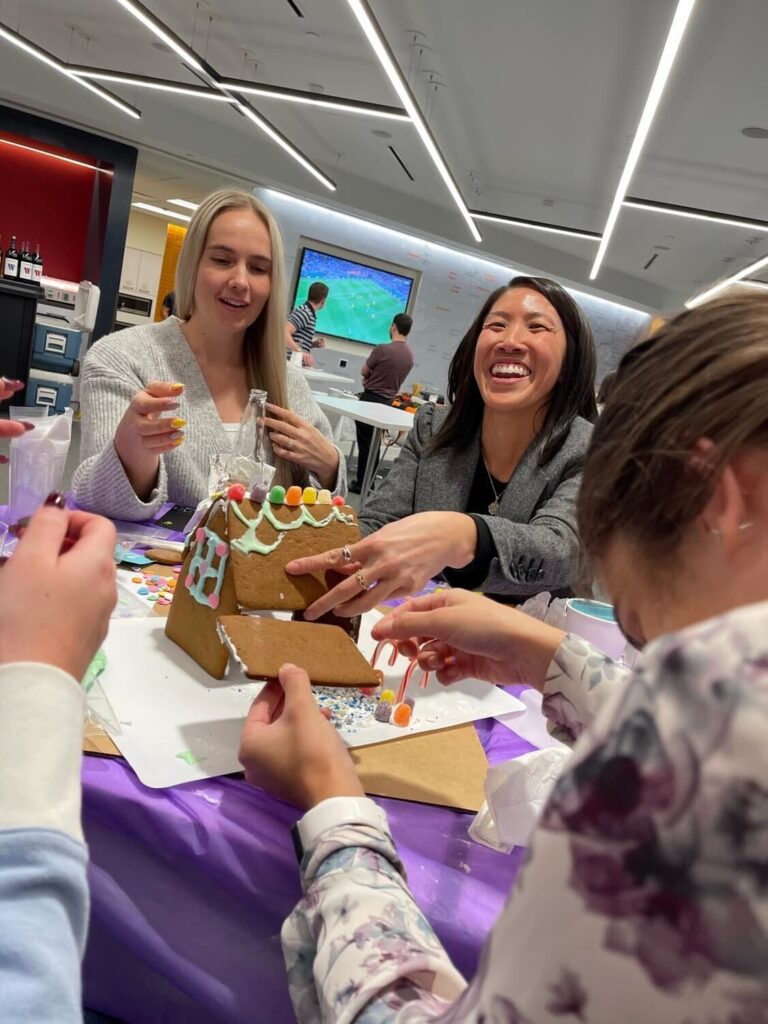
[(667, 59), (161, 212), (171, 40), (47, 58), (535, 225), (381, 48), (752, 268)]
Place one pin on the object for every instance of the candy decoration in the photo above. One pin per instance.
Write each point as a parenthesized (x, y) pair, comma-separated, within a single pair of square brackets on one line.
[(200, 535), (383, 711), (259, 494), (324, 497), (221, 550), (401, 715), (293, 496), (308, 496), (407, 678), (368, 691), (338, 500), (277, 495), (387, 697), (236, 492), (214, 600), (379, 675), (410, 702), (392, 654)]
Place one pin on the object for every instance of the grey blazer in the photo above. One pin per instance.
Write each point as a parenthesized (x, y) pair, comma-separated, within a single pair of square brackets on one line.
[(535, 531)]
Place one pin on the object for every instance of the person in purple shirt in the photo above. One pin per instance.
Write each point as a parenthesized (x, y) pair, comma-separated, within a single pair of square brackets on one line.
[(383, 372)]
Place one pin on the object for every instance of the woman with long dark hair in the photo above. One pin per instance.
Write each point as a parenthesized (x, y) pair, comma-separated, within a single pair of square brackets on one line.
[(485, 489)]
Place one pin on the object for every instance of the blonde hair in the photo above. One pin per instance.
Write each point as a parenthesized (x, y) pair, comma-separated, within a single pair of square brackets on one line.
[(703, 375), (264, 339)]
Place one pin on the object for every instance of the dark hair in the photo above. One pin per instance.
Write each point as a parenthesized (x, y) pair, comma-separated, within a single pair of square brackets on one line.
[(169, 302), (703, 375), (573, 395), (403, 323), (607, 387), (317, 291)]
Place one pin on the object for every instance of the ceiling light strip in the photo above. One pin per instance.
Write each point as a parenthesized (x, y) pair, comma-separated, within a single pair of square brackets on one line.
[(338, 103), (47, 58), (56, 156), (183, 203), (171, 40), (381, 48), (149, 208), (536, 225), (692, 213), (667, 59), (144, 82), (752, 268), (280, 139)]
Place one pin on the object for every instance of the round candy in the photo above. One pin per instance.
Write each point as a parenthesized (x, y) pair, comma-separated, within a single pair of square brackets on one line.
[(213, 600), (293, 496), (152, 597), (222, 549), (188, 582), (137, 579), (368, 691), (152, 588), (199, 535), (324, 497), (388, 696), (277, 495), (309, 496), (338, 500), (259, 494), (236, 492), (163, 600), (177, 569), (401, 714), (383, 711), (143, 591)]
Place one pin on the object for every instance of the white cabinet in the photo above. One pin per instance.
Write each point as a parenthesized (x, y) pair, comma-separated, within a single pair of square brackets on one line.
[(141, 272), (129, 275), (148, 280)]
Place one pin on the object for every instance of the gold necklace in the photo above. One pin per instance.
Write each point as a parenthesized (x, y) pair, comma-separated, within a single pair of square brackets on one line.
[(493, 508)]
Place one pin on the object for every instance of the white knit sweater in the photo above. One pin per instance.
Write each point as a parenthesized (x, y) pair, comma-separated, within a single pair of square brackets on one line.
[(123, 363)]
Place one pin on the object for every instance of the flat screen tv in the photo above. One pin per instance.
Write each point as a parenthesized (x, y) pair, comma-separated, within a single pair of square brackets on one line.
[(364, 293)]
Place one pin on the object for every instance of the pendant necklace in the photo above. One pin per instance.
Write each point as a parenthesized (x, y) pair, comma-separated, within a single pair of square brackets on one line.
[(493, 508)]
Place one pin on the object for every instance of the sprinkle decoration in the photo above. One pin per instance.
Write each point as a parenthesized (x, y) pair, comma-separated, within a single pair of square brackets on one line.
[(347, 707)]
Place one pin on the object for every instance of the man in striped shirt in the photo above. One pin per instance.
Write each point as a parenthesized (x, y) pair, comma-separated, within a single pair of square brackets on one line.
[(300, 326)]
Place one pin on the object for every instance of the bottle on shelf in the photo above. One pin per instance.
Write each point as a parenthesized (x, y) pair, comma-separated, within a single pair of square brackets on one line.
[(11, 261), (37, 268), (26, 264)]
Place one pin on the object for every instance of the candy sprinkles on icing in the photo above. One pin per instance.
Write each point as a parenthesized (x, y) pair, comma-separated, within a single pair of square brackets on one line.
[(250, 544), (208, 547)]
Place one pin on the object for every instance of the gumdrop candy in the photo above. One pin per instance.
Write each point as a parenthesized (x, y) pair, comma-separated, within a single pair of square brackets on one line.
[(259, 494), (213, 600), (383, 711), (388, 696), (324, 497), (338, 500), (293, 495), (277, 495), (309, 496), (236, 492), (401, 714)]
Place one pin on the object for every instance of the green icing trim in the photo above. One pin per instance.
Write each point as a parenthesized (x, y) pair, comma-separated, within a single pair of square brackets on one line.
[(250, 544)]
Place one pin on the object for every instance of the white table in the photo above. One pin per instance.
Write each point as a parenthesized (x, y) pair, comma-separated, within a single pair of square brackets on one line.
[(324, 376), (380, 417)]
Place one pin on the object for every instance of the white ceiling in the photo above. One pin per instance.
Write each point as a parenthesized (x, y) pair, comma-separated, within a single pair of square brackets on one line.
[(535, 107)]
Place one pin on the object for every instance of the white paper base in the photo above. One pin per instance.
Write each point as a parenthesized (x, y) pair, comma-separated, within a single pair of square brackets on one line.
[(180, 725)]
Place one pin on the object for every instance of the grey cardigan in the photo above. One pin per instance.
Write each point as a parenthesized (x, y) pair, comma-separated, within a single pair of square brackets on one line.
[(121, 364), (534, 534)]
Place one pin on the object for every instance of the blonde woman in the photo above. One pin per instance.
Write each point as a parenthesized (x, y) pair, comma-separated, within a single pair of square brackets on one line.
[(160, 402)]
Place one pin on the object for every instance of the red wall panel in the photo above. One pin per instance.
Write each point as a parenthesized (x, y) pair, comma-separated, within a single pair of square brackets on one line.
[(48, 201)]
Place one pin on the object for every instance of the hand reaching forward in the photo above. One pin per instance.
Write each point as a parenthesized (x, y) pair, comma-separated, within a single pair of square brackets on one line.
[(290, 749), (461, 635)]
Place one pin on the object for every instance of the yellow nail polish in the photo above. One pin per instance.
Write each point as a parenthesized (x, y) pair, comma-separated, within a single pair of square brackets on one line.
[(176, 388), (177, 443), (177, 423)]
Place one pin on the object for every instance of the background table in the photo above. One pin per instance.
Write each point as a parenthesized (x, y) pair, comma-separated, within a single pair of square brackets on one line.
[(380, 417), (321, 377), (190, 886)]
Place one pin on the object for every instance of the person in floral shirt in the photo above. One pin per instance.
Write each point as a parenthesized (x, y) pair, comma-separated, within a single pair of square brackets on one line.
[(644, 897)]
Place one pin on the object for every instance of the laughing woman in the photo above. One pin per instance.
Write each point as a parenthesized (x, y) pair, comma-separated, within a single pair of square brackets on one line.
[(160, 402), (485, 490)]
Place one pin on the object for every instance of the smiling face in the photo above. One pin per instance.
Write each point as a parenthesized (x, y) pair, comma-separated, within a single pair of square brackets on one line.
[(234, 275), (519, 352)]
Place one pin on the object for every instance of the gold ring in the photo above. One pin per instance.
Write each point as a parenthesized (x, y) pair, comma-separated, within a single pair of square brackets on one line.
[(289, 445), (347, 554), (364, 584)]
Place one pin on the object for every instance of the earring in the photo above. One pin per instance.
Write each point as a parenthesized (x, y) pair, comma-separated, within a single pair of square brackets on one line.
[(713, 530)]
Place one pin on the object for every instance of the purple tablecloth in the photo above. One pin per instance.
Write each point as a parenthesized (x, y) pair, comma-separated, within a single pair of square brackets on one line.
[(190, 885)]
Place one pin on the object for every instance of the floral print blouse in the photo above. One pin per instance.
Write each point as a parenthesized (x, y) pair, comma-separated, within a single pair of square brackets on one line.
[(644, 898)]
